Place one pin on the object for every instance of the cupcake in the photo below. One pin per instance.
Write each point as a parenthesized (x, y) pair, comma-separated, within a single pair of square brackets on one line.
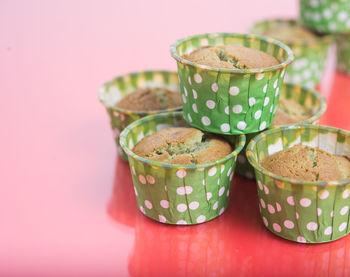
[(135, 95), (297, 105), (310, 49), (307, 201), (180, 174), (343, 53), (222, 93), (325, 16)]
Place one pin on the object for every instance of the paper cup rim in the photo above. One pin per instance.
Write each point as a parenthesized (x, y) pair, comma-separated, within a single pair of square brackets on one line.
[(258, 167), (238, 147), (325, 39), (130, 112), (281, 65)]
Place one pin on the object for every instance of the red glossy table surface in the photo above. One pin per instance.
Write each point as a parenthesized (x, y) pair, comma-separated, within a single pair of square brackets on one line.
[(67, 206)]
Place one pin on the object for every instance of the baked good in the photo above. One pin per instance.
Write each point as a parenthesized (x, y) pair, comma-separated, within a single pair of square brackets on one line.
[(182, 145), (150, 99), (307, 163), (231, 57), (290, 111)]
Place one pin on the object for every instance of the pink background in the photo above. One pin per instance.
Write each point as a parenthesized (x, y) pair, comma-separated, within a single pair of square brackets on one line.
[(58, 165)]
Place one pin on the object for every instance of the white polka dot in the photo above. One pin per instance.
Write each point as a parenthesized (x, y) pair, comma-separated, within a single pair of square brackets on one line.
[(184, 190), (229, 171), (206, 121), (133, 170), (305, 202), (296, 215), (266, 189), (181, 208), (319, 211), (277, 91), (328, 230), (162, 218), (212, 171), (189, 80), (259, 76), (271, 108), (342, 16), (301, 239), (312, 226), (193, 205), (184, 99), (278, 206), (165, 188), (203, 182), (215, 206), (260, 185), (251, 101), (181, 173), (342, 226), (276, 227), (210, 104), (271, 209), (346, 193), (282, 73), (142, 210), (195, 95), (194, 107), (214, 87), (237, 108), (348, 23), (332, 26), (197, 78), (332, 213), (135, 191), (266, 101), (234, 91), (228, 193), (262, 126), (257, 114), (148, 204), (221, 211), (225, 127), (327, 13), (344, 210), (150, 179), (290, 200), (275, 84), (142, 179), (222, 168), (189, 118), (323, 194), (227, 110), (221, 191), (262, 202), (164, 204), (218, 181), (265, 88), (265, 221), (185, 91), (181, 222), (201, 219), (209, 195), (241, 125), (289, 224), (313, 3), (316, 17)]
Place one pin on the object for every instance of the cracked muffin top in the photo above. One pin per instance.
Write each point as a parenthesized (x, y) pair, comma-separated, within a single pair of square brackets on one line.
[(307, 163), (289, 111), (182, 145), (150, 99), (231, 57)]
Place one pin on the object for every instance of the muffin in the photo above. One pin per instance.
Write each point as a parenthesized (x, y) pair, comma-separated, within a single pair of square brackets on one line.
[(150, 99), (310, 49), (232, 57), (310, 204), (297, 105), (135, 95), (182, 145), (172, 186), (226, 78), (307, 163)]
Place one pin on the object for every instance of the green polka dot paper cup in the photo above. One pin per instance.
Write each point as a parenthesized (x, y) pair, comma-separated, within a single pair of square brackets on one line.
[(311, 99), (178, 194), (343, 53), (224, 101), (310, 57), (113, 91), (325, 16), (308, 212)]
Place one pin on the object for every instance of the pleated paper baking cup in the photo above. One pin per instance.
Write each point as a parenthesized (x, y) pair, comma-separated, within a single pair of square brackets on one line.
[(325, 16), (113, 91), (310, 56), (178, 194), (343, 53), (312, 100), (225, 101), (301, 211)]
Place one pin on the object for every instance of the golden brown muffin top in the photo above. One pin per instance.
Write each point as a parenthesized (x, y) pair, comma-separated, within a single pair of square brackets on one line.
[(231, 57), (150, 99), (307, 163), (289, 111), (182, 145)]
